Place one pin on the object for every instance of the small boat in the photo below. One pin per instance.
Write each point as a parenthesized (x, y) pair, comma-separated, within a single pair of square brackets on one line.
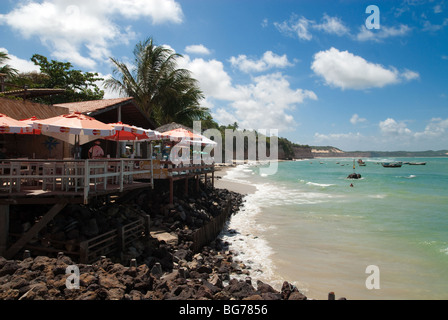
[(417, 163), (392, 164)]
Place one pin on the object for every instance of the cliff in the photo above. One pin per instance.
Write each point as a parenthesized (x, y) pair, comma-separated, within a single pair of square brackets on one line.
[(294, 152)]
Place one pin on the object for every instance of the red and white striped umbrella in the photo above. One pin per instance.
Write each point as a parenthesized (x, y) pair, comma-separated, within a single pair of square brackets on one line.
[(126, 132), (10, 125), (74, 127)]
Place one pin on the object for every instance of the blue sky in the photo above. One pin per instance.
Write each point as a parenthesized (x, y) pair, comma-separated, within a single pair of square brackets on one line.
[(311, 69)]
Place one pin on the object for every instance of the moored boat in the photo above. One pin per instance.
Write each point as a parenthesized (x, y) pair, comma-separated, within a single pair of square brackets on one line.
[(392, 164), (417, 163)]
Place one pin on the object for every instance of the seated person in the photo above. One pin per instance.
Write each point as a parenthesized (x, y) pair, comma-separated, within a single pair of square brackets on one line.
[(96, 152)]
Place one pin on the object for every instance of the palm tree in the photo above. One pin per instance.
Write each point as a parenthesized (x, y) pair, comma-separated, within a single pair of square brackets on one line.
[(164, 92), (5, 68), (6, 71)]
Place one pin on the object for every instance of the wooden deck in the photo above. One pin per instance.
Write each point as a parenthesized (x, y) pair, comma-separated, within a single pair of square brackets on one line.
[(61, 182), (24, 181)]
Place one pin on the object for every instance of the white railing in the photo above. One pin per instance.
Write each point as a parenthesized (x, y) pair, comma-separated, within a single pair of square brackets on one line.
[(68, 175)]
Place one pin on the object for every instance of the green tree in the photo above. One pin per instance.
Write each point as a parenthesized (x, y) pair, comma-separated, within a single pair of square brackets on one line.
[(163, 91), (79, 86), (6, 68)]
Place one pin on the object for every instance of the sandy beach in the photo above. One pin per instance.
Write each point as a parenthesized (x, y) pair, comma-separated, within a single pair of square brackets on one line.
[(222, 183)]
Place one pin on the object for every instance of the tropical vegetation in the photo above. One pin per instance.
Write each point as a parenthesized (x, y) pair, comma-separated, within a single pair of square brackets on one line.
[(164, 91)]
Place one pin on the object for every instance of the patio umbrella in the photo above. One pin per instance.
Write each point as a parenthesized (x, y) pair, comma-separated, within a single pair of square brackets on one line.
[(187, 136), (126, 132), (10, 125), (180, 133), (74, 128), (30, 122)]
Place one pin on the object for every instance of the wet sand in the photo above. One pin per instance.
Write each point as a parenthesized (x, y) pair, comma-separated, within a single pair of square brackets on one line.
[(222, 183)]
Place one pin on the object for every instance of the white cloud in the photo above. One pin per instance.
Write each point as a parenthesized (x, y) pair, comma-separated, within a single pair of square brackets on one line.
[(392, 135), (301, 27), (438, 8), (265, 103), (384, 32), (355, 119), (391, 127), (197, 49), (83, 33), (410, 75), (345, 70), (265, 22), (268, 61), (436, 128), (332, 25), (296, 26), (19, 64), (214, 80), (428, 26)]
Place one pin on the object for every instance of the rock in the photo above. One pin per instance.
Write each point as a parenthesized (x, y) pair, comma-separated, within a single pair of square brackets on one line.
[(254, 297), (265, 288), (239, 289), (41, 262), (10, 294), (216, 281), (296, 296), (116, 294), (182, 254), (354, 176), (9, 267), (110, 281), (271, 296)]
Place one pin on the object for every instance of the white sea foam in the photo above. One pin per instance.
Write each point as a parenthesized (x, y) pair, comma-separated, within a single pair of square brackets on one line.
[(245, 239), (319, 184)]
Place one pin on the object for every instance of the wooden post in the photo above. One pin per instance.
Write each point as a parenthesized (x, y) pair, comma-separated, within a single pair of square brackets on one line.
[(186, 187), (4, 228), (152, 167), (16, 247), (121, 175), (213, 179), (198, 177), (171, 191), (147, 225), (121, 239), (86, 181)]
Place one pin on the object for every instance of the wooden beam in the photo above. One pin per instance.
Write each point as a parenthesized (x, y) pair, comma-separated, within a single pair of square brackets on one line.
[(34, 230), (4, 228), (171, 191)]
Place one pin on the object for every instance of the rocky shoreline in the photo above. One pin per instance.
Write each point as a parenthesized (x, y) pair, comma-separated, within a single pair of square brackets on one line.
[(150, 269)]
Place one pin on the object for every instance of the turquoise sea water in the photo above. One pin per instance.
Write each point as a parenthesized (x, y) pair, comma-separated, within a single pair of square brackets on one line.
[(306, 225)]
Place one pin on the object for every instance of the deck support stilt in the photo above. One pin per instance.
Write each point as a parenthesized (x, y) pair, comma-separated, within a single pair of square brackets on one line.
[(4, 228), (34, 230)]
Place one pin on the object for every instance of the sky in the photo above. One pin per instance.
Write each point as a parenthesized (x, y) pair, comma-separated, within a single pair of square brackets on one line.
[(339, 73)]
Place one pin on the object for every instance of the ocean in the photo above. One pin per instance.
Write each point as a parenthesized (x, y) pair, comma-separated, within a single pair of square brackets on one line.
[(307, 226)]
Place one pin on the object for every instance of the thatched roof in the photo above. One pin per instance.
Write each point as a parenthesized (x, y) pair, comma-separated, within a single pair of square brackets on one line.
[(95, 106), (172, 126), (106, 110), (34, 92), (24, 109)]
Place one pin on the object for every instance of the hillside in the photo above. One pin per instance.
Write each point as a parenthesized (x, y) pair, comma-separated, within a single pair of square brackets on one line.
[(332, 152)]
